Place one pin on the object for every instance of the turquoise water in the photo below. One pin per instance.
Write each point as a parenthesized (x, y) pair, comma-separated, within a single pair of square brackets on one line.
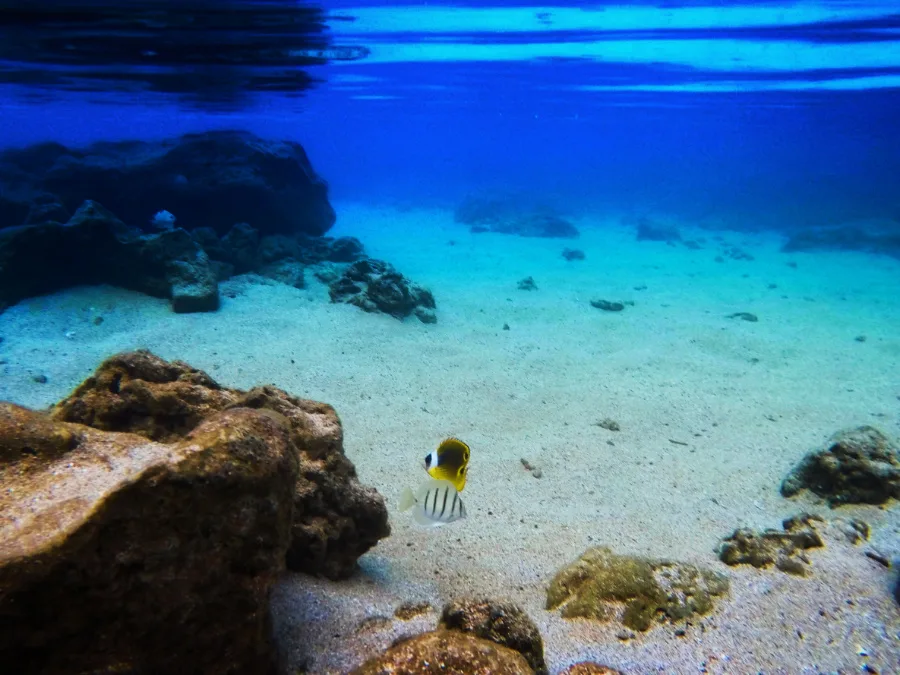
[(739, 125)]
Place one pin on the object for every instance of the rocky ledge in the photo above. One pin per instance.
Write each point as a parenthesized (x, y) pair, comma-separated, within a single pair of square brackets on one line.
[(146, 516)]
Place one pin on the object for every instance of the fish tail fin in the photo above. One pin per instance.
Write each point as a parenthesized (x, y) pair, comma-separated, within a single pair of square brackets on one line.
[(407, 499)]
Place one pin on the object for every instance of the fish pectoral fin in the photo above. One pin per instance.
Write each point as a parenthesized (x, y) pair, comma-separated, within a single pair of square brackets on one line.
[(407, 499)]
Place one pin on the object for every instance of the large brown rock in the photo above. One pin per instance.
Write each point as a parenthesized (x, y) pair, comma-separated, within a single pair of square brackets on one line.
[(441, 652), (336, 519), (128, 555), (500, 622)]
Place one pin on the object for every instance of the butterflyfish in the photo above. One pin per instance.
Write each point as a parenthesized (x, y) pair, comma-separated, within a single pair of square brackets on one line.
[(450, 461), (437, 502)]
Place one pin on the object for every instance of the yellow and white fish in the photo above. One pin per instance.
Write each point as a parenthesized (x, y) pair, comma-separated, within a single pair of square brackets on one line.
[(437, 502), (450, 462)]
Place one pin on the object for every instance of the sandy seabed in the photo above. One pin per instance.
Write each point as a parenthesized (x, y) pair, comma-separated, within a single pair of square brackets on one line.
[(743, 402)]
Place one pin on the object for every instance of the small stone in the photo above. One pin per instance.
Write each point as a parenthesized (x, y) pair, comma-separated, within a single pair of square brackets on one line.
[(589, 668), (40, 379), (744, 316), (608, 424), (409, 610), (860, 338), (608, 305), (98, 320), (625, 634), (572, 254), (527, 284), (537, 473), (506, 326)]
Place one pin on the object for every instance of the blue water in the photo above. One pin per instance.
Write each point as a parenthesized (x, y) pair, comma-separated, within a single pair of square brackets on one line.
[(731, 120), (758, 114)]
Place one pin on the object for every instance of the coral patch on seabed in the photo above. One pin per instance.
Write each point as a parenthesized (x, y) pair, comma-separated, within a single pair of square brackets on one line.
[(603, 585)]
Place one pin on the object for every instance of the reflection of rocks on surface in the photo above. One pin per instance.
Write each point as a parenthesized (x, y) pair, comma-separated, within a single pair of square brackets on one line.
[(601, 583), (375, 286), (859, 465), (336, 519), (95, 247), (501, 622), (445, 651), (213, 179), (120, 554), (785, 550), (511, 216)]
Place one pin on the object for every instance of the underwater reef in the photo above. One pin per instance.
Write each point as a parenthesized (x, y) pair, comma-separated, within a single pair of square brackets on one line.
[(508, 215), (174, 218), (213, 179), (95, 247), (147, 515), (871, 236)]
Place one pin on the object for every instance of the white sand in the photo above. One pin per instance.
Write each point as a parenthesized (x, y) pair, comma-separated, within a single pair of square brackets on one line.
[(748, 399)]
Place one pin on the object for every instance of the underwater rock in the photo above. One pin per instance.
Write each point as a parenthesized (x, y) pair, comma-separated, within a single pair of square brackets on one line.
[(336, 519), (743, 316), (873, 236), (240, 245), (375, 286), (287, 271), (572, 254), (95, 247), (511, 216), (446, 651), (859, 465), (602, 584), (500, 622), (783, 549), (647, 230), (213, 179), (123, 554), (589, 668), (527, 284), (608, 305)]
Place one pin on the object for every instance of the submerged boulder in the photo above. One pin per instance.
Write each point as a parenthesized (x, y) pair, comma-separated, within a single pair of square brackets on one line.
[(336, 518), (95, 247), (123, 554), (444, 651), (859, 465), (213, 179), (375, 286), (501, 622), (511, 215), (147, 515), (603, 585)]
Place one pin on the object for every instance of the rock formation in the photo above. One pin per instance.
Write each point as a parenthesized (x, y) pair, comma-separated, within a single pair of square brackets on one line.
[(213, 179), (375, 286), (501, 622), (146, 516), (859, 465)]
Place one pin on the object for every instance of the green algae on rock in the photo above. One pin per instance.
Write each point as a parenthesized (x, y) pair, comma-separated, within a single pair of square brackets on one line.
[(784, 549), (600, 583)]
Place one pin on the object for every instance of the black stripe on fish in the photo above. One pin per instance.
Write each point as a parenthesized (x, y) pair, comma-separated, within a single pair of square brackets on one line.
[(462, 509), (444, 505)]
